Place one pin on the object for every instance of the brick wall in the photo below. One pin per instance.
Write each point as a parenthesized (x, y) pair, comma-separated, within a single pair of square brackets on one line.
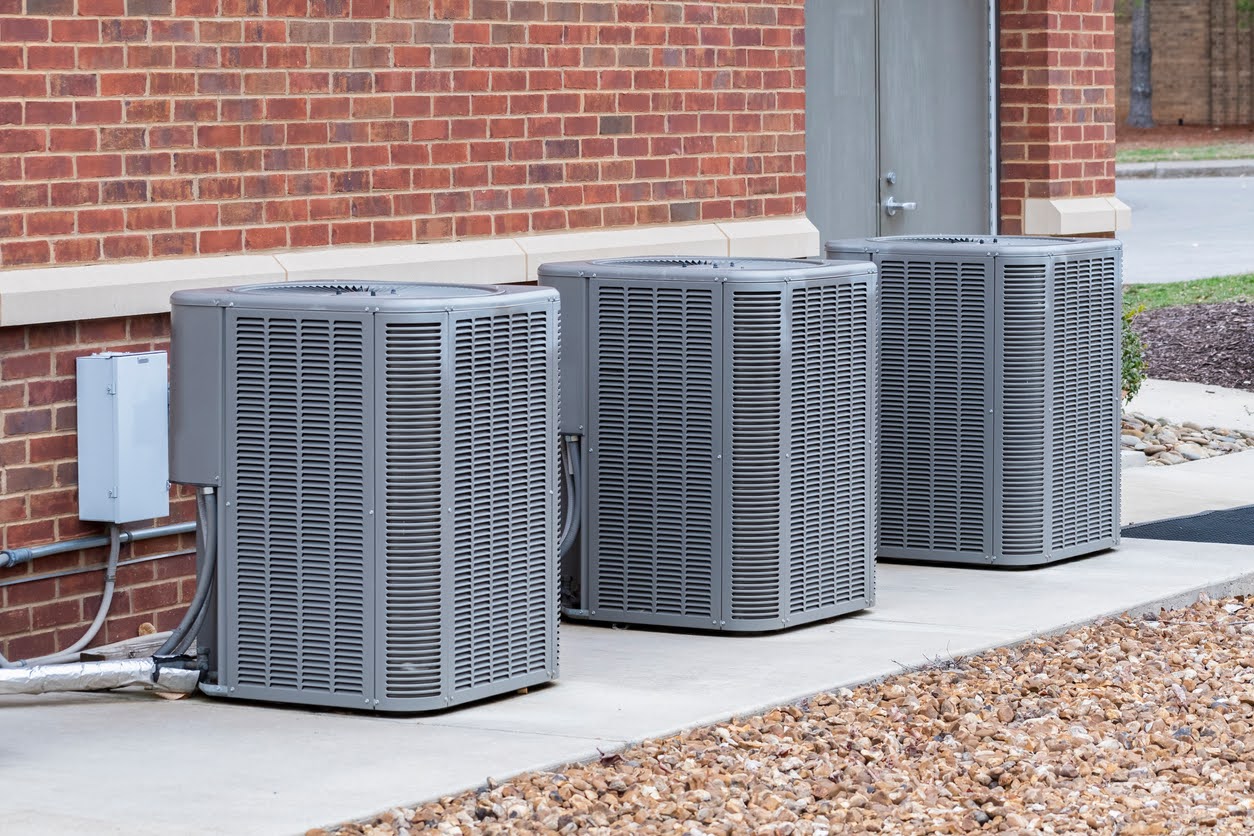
[(1203, 65), (1057, 102), (39, 498), (149, 128)]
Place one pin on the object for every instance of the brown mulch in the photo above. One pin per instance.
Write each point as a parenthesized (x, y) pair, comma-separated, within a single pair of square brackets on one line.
[(1212, 344), (1130, 726), (1173, 136)]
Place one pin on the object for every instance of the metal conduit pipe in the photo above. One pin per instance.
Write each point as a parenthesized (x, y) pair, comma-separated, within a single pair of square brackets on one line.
[(16, 557), (207, 554), (70, 654), (574, 495)]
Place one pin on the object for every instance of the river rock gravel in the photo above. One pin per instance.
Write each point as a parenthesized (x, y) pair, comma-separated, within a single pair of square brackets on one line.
[(1132, 725), (1165, 443)]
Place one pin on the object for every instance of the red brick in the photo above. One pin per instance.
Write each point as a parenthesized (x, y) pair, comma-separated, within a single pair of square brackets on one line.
[(220, 241), (14, 621), (32, 592), (30, 646), (154, 596), (56, 614), (126, 246)]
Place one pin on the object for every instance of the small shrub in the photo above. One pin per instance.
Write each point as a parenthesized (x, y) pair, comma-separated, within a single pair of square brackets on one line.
[(1134, 363)]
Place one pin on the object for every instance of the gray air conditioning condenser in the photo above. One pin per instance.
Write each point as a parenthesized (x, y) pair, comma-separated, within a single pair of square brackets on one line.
[(727, 409), (385, 463), (1000, 402)]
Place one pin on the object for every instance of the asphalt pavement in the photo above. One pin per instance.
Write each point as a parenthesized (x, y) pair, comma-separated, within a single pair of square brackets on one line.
[(1188, 228)]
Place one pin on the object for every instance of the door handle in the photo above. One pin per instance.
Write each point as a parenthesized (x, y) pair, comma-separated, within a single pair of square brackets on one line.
[(892, 206)]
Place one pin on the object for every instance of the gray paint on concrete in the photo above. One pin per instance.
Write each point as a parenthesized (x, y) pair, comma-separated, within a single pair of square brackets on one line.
[(98, 763), (1188, 228)]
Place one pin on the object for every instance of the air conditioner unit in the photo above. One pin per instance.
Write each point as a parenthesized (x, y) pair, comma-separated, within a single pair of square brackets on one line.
[(1000, 402), (385, 458), (727, 408)]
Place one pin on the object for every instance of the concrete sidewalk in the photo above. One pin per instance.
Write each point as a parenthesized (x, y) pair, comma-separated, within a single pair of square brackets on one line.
[(1203, 404), (135, 764), (1185, 168)]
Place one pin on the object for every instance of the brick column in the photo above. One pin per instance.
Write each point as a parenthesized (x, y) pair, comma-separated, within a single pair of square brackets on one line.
[(1058, 117)]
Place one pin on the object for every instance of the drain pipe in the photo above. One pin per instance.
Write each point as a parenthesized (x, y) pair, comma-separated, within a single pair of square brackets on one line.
[(16, 557), (99, 676)]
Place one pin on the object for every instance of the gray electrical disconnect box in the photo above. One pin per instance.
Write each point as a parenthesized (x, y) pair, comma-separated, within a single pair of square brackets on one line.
[(123, 444)]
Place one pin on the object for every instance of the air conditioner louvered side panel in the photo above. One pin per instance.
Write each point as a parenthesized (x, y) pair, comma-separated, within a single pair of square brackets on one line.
[(298, 543), (504, 556), (755, 524), (413, 529), (1086, 407), (831, 493), (654, 496), (1024, 341), (934, 390)]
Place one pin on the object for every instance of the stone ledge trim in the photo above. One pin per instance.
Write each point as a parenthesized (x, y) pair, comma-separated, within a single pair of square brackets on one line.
[(1075, 215), (98, 291)]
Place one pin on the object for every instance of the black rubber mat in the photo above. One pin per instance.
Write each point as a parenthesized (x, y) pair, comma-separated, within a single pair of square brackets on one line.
[(1235, 525)]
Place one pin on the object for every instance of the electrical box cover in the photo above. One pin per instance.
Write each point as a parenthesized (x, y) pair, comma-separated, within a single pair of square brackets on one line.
[(123, 445)]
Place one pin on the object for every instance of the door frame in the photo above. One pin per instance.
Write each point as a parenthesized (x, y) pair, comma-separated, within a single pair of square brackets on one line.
[(830, 166), (993, 129), (994, 119)]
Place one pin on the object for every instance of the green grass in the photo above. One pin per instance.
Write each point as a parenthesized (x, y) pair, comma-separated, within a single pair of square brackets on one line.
[(1224, 151), (1221, 289)]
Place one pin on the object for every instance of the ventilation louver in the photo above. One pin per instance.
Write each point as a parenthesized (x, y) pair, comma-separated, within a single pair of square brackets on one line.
[(728, 412), (385, 458), (999, 410)]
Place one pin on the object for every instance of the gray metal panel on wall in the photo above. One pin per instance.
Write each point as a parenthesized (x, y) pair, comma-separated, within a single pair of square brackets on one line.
[(298, 538), (934, 114), (654, 437), (842, 199)]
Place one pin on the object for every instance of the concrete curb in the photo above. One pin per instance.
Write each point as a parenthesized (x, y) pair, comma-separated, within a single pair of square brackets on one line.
[(1172, 169)]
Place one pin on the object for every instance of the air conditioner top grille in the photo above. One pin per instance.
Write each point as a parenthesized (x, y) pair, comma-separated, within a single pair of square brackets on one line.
[(944, 246), (369, 296), (409, 291), (701, 269), (982, 240)]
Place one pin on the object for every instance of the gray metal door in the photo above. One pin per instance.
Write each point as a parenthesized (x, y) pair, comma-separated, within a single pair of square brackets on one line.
[(898, 104)]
